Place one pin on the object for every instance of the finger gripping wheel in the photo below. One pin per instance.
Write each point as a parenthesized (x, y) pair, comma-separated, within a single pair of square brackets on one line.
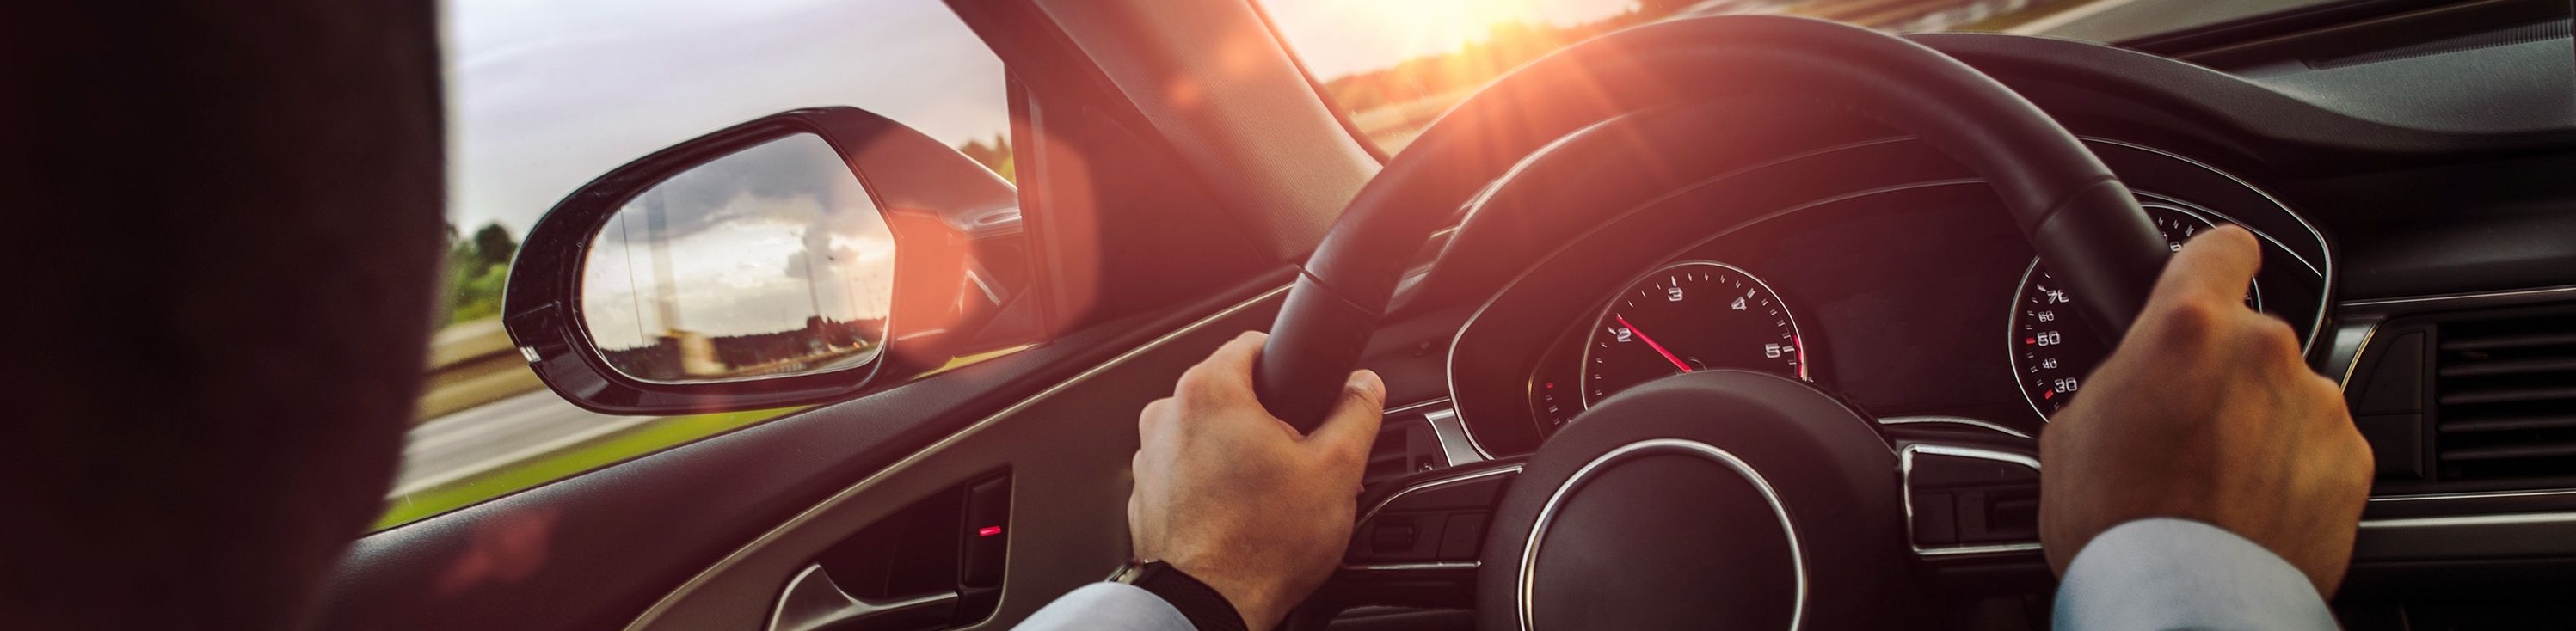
[(2084, 224)]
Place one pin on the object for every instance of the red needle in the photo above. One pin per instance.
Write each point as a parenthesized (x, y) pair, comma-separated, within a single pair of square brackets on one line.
[(1659, 348)]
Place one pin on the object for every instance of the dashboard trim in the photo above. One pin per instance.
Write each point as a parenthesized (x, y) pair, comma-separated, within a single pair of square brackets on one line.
[(1955, 420), (1905, 487), (1450, 430), (1425, 485), (2368, 315), (2456, 521), (2325, 247), (1433, 484)]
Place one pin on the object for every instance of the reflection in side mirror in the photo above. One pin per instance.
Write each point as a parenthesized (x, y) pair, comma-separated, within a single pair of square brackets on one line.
[(770, 261)]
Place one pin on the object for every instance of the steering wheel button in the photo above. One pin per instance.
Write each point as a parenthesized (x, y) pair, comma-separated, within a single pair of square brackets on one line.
[(1392, 538), (1463, 536), (1936, 520)]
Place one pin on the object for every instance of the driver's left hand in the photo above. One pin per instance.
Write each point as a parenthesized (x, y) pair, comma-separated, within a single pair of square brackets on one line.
[(1239, 499)]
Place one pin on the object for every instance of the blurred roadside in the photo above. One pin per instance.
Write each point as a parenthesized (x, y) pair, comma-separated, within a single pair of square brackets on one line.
[(470, 364)]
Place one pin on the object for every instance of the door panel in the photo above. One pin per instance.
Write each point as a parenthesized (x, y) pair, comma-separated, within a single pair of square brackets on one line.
[(594, 551)]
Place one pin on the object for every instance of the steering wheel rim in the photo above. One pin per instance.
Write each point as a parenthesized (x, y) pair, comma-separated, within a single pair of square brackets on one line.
[(2079, 217)]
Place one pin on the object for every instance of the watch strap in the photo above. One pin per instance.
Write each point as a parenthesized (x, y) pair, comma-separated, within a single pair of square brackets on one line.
[(1206, 609)]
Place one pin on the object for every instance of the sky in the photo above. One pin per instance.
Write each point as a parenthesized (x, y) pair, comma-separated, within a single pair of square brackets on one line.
[(1339, 37), (756, 242), (544, 95)]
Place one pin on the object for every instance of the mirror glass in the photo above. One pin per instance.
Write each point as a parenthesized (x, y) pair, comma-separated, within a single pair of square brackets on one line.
[(770, 261)]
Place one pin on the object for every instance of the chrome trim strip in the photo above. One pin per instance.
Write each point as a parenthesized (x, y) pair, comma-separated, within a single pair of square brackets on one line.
[(1414, 406), (2475, 496), (1905, 488), (1789, 527), (1410, 567), (2505, 519), (1452, 434), (2325, 248), (645, 620), (2462, 300), (1426, 485), (1953, 420), (813, 583), (2352, 336), (1971, 550)]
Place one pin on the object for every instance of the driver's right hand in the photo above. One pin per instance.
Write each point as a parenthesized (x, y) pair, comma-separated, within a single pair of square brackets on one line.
[(2207, 411)]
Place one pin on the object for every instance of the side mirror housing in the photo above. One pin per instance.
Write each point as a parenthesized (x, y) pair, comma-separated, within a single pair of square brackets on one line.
[(803, 257)]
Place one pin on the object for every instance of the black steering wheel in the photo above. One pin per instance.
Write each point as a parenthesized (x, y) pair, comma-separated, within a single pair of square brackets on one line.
[(1712, 499)]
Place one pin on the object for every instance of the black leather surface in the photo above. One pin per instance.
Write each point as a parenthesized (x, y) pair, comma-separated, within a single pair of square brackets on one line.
[(1834, 476)]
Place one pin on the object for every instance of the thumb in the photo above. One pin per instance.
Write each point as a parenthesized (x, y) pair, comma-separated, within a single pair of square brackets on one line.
[(1352, 426)]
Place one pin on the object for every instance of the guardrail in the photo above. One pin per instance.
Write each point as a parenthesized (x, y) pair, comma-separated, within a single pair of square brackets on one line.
[(470, 364)]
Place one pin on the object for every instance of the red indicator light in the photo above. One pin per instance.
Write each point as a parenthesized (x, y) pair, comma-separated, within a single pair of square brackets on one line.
[(988, 531), (2048, 395), (2030, 340)]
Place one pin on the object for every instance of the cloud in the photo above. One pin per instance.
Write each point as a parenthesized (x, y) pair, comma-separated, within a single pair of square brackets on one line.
[(545, 95)]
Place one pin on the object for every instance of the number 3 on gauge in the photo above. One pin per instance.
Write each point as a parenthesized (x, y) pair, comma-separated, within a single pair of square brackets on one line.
[(1687, 317)]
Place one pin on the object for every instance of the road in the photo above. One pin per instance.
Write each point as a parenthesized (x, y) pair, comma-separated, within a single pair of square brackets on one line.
[(496, 434)]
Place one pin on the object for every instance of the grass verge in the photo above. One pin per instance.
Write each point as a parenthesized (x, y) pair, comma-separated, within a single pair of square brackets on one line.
[(570, 461)]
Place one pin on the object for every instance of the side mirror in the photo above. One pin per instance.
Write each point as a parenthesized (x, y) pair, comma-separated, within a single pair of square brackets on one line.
[(799, 258)]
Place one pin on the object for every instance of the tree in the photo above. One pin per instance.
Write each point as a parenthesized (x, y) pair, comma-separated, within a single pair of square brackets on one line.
[(478, 269), (494, 245)]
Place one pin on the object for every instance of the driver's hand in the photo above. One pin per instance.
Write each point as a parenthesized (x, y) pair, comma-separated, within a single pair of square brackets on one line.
[(2207, 412), (1235, 497)]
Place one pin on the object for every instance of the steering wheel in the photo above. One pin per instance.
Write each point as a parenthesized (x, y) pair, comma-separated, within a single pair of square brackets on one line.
[(1725, 499)]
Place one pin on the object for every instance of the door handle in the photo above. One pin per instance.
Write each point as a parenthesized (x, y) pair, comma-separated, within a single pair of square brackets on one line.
[(812, 602)]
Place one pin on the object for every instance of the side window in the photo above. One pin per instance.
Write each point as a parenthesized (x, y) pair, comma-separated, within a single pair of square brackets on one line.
[(545, 95)]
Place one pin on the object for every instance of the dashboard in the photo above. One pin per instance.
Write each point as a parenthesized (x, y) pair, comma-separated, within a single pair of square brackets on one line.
[(2420, 253), (1898, 284)]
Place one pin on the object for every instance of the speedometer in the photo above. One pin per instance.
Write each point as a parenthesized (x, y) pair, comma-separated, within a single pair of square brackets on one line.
[(2052, 348), (1690, 316)]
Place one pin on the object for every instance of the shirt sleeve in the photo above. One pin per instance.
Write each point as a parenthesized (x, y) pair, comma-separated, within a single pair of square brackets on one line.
[(1108, 606), (2164, 573)]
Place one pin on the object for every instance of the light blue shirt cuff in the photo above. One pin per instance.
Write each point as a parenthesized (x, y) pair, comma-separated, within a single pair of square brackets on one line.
[(1108, 606), (2166, 573)]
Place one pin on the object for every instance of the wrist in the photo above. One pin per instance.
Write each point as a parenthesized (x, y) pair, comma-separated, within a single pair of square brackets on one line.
[(1260, 608), (1210, 605)]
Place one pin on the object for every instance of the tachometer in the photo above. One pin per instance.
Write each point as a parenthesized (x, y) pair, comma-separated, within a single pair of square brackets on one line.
[(2052, 348), (1689, 316)]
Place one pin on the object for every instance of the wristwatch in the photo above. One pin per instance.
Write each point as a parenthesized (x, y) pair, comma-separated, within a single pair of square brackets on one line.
[(1206, 609)]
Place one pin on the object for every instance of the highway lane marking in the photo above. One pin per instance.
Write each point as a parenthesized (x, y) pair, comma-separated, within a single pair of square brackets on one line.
[(612, 425), (476, 421)]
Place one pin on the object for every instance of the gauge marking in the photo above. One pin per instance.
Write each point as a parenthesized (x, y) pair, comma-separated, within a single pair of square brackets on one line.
[(1700, 315), (2052, 350)]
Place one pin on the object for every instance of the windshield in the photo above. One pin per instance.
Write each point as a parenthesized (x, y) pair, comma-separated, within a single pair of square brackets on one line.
[(1394, 65)]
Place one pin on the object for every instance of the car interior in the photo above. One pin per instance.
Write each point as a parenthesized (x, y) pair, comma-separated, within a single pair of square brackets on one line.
[(1790, 244)]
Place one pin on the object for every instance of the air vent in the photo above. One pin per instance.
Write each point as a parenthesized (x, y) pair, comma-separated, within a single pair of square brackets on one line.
[(1405, 446), (2505, 398)]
